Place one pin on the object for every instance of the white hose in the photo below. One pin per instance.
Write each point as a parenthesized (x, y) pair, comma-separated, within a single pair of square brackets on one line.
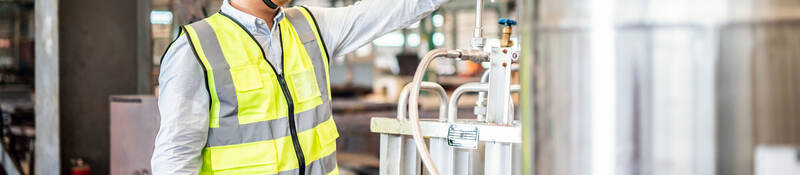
[(413, 102)]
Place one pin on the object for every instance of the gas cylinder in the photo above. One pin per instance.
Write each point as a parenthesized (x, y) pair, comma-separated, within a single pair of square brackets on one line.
[(79, 167)]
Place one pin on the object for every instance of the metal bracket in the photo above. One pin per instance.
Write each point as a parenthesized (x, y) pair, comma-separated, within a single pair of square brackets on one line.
[(462, 136), (438, 129)]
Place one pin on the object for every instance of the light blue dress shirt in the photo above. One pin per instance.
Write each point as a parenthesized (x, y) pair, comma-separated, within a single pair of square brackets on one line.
[(183, 100)]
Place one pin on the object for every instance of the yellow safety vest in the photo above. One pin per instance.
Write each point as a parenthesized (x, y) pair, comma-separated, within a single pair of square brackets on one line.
[(263, 122)]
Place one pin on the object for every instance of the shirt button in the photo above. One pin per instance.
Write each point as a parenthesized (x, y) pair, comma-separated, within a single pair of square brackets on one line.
[(259, 22)]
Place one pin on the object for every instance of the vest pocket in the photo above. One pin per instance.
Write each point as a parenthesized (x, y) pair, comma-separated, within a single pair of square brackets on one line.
[(246, 78), (305, 85), (256, 157), (327, 135)]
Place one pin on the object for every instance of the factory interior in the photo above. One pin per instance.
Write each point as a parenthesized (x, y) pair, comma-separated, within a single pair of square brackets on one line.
[(469, 87)]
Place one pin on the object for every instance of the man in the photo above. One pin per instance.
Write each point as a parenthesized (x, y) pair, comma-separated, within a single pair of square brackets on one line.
[(245, 91)]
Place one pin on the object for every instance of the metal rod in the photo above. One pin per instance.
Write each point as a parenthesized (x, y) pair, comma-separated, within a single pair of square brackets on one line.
[(461, 90), (478, 19), (529, 28), (481, 102), (510, 117), (478, 41), (452, 106), (430, 86)]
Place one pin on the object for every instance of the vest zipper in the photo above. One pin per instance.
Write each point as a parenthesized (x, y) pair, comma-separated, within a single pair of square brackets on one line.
[(292, 125), (298, 151), (286, 94)]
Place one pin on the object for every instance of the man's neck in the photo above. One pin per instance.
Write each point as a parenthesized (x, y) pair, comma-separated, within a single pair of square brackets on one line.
[(257, 9)]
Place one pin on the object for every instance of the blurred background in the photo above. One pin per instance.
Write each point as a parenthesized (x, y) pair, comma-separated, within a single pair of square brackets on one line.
[(694, 87)]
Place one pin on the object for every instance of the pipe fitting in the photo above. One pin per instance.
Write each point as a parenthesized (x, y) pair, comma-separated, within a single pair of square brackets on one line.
[(477, 42), (474, 55), (453, 54)]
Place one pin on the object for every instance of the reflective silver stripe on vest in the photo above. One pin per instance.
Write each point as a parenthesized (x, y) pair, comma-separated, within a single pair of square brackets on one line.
[(309, 39), (229, 131), (323, 165), (271, 129), (226, 92)]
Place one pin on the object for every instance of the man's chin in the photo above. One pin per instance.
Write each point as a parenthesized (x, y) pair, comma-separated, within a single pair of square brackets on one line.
[(281, 3)]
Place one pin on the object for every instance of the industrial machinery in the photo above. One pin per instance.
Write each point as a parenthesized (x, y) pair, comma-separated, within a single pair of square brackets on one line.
[(488, 144)]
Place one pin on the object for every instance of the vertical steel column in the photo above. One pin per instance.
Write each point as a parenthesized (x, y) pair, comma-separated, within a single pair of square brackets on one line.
[(443, 155), (144, 49), (499, 87), (47, 154), (528, 22), (398, 156), (498, 157)]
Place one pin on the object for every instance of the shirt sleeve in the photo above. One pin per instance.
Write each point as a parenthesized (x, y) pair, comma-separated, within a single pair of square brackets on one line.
[(183, 103), (345, 29)]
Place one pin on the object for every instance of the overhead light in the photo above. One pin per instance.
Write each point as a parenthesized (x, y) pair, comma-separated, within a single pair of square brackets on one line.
[(160, 17), (438, 39), (413, 40), (438, 20)]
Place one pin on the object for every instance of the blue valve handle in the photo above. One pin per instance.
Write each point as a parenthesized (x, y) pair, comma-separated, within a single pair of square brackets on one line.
[(507, 22)]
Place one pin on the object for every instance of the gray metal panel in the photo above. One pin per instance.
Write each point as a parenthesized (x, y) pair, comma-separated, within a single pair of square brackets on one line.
[(663, 89), (134, 125), (699, 84)]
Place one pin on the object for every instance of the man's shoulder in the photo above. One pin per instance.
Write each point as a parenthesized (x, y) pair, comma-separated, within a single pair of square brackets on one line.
[(179, 48)]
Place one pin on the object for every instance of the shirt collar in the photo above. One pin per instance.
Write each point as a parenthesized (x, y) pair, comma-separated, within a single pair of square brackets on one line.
[(247, 20)]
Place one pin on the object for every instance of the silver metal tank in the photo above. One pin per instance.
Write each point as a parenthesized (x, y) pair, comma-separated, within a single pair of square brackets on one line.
[(658, 86)]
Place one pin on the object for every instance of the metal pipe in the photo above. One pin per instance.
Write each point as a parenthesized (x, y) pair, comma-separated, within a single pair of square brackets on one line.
[(478, 41), (508, 119), (485, 76), (469, 87), (481, 102), (528, 29), (402, 103), (478, 19), (452, 106)]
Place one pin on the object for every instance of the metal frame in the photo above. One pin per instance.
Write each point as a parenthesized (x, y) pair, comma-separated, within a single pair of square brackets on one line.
[(491, 144), (437, 129), (499, 138)]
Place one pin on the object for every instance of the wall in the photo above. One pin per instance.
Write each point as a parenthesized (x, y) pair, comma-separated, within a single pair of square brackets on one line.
[(98, 51)]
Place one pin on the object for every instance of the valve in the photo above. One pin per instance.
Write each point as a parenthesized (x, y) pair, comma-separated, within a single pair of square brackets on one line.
[(505, 39)]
